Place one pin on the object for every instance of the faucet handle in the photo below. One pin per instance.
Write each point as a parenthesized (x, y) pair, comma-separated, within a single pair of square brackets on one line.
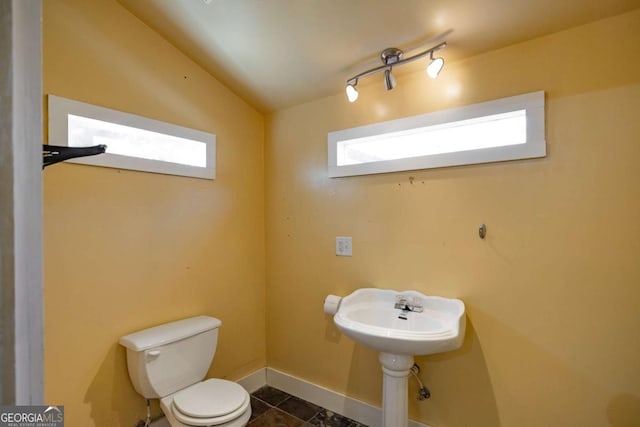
[(416, 304), (401, 302)]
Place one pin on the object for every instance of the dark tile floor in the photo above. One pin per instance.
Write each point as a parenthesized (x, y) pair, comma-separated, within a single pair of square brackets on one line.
[(271, 407)]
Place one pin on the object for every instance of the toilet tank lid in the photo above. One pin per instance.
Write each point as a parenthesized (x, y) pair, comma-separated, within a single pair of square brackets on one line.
[(169, 332)]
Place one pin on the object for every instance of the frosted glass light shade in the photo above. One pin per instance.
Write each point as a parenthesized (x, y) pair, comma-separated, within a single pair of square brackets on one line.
[(434, 68), (352, 93)]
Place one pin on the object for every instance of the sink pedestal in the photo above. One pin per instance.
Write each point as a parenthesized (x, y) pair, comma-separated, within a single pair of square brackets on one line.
[(396, 369)]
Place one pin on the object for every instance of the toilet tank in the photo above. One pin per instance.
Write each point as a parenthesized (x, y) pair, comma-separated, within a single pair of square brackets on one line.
[(169, 357)]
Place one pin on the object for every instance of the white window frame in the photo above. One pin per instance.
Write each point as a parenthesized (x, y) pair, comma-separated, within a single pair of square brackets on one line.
[(60, 109), (535, 145)]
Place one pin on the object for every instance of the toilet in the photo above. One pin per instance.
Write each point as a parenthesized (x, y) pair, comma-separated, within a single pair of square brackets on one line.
[(169, 362)]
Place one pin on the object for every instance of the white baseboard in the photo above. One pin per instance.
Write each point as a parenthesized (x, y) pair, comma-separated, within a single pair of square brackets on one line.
[(254, 381), (333, 401), (336, 402)]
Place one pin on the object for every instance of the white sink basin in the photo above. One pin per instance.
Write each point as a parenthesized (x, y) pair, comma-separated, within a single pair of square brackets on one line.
[(368, 316)]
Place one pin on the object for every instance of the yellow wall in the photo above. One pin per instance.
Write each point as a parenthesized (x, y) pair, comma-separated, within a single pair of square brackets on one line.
[(126, 250), (552, 294)]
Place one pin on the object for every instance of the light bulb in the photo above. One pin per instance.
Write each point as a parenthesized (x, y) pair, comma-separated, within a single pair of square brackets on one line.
[(435, 67), (352, 93)]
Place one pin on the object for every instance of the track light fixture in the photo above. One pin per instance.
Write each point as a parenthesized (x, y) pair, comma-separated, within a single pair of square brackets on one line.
[(393, 57)]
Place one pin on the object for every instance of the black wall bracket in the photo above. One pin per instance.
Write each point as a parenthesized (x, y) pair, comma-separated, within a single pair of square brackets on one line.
[(52, 154)]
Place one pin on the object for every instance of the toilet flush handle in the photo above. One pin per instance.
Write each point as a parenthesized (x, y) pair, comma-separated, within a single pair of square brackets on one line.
[(153, 353)]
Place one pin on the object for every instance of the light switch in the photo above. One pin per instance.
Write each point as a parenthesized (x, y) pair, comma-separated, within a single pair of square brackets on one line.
[(343, 245)]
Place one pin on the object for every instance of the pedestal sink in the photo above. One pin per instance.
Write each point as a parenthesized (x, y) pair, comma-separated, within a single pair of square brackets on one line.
[(400, 325)]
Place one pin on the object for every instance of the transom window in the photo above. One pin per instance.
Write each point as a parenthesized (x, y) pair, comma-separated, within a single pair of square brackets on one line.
[(133, 142), (505, 129)]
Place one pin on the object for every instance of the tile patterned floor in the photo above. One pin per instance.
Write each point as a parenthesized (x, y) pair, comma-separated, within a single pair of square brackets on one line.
[(271, 407)]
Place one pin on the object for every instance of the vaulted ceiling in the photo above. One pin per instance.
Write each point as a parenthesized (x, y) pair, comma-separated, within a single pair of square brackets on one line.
[(279, 53)]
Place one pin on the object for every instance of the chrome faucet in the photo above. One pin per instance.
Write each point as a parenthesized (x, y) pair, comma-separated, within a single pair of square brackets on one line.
[(403, 304)]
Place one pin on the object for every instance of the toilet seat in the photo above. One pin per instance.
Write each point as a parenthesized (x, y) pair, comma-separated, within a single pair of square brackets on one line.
[(209, 403)]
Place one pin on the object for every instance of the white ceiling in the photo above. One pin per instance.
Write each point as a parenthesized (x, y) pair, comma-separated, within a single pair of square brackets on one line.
[(279, 53)]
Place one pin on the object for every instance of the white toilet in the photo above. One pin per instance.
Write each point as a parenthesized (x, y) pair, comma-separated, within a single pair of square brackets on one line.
[(168, 362)]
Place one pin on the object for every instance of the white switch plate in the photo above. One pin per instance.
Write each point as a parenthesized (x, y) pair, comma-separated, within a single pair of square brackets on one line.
[(343, 245)]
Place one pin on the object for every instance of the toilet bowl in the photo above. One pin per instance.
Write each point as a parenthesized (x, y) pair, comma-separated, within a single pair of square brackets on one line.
[(213, 402), (169, 362)]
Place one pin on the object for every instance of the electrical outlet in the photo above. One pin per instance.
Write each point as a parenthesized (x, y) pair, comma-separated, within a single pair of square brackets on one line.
[(343, 246)]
